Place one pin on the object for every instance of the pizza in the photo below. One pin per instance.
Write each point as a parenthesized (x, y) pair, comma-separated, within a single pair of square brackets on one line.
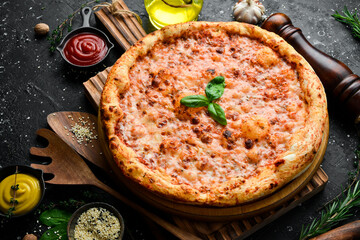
[(274, 104)]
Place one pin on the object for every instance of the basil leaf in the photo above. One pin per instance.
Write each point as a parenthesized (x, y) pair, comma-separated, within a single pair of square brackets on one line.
[(57, 232), (215, 88), (54, 217), (195, 101), (217, 113)]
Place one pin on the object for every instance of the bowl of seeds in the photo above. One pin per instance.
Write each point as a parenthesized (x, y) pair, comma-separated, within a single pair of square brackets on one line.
[(98, 221)]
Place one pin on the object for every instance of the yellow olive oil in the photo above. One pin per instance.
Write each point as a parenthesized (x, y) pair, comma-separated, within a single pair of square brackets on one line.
[(166, 12)]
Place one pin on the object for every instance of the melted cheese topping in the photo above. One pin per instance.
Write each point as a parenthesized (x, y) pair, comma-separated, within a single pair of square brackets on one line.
[(263, 102)]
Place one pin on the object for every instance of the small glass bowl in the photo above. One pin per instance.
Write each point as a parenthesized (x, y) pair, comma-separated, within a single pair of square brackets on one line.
[(37, 173), (74, 218)]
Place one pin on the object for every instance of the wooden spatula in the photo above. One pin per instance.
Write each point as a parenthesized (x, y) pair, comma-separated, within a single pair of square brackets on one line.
[(69, 168), (63, 122)]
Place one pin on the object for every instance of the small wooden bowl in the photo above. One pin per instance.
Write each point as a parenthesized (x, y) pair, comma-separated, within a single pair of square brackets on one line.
[(7, 171), (77, 214)]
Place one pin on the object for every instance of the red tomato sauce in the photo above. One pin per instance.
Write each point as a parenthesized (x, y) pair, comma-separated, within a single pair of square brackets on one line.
[(85, 49)]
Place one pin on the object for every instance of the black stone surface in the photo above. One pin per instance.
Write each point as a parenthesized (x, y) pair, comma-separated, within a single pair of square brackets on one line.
[(35, 83)]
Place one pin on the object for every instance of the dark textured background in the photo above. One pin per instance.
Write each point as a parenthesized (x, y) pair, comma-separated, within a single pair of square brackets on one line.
[(35, 83)]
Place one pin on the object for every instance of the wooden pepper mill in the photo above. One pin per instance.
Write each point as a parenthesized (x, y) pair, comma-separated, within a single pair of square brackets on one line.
[(339, 81)]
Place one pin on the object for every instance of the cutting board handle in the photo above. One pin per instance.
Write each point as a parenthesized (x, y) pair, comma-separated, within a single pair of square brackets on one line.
[(339, 81)]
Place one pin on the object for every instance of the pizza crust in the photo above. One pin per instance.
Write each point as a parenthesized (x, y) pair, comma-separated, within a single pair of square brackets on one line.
[(302, 146)]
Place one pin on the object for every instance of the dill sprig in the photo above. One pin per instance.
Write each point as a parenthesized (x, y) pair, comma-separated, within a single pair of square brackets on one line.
[(350, 19), (338, 211), (58, 32)]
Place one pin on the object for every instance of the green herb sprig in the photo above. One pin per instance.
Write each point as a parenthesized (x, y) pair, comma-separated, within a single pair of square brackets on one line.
[(338, 211), (350, 19), (214, 90), (58, 32), (10, 212), (71, 204), (13, 200)]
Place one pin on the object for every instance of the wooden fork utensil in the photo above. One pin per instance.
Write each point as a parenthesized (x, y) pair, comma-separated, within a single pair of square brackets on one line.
[(69, 168)]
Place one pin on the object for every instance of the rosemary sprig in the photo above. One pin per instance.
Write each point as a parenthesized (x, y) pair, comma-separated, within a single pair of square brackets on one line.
[(58, 32), (350, 19), (338, 211)]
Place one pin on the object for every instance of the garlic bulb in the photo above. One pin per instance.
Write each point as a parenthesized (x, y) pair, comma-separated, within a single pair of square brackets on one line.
[(249, 11)]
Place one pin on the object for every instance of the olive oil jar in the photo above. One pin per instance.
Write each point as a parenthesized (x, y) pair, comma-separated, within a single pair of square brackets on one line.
[(166, 12)]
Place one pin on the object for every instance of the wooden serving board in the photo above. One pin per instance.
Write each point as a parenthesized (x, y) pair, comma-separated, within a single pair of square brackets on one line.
[(203, 213), (126, 30), (237, 222)]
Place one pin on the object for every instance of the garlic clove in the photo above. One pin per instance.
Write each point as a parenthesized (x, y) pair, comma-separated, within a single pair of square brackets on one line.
[(258, 13), (249, 11)]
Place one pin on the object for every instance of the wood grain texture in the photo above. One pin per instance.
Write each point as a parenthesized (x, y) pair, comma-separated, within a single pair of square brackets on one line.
[(63, 122), (69, 168), (243, 211), (125, 29), (238, 229), (94, 86), (207, 230), (339, 81), (346, 232), (65, 169)]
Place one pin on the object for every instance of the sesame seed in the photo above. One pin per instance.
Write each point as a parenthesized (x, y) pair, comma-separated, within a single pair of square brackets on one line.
[(82, 132), (97, 223)]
